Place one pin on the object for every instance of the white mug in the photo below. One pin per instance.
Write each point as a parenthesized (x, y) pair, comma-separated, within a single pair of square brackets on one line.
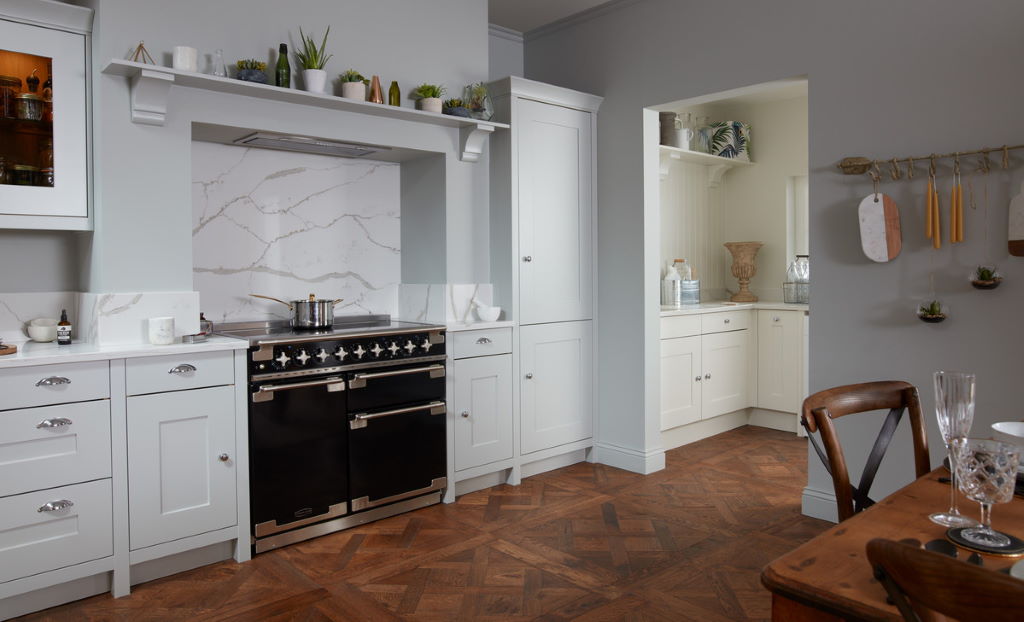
[(161, 331), (185, 58)]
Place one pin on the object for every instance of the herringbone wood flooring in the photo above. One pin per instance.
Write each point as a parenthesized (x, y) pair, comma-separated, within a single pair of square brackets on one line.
[(587, 542)]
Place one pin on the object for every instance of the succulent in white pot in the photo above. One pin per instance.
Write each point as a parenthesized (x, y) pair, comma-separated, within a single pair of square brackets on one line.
[(312, 59), (353, 85), (428, 97)]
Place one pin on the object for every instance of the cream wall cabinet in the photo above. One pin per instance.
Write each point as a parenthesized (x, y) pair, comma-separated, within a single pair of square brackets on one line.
[(780, 360)]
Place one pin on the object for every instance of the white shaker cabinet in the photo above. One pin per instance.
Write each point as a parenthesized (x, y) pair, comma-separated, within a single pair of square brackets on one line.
[(181, 474), (681, 375), (724, 386), (557, 389), (483, 410), (780, 360), (554, 146)]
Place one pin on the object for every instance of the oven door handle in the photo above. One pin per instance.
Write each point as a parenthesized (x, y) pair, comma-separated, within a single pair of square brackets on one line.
[(359, 421), (265, 392), (358, 381)]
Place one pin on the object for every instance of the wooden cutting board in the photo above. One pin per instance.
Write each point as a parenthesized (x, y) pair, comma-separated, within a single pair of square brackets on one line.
[(4, 350), (1016, 229), (880, 234)]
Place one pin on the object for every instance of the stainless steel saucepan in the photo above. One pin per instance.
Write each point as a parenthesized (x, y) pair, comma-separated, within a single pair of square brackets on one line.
[(311, 313)]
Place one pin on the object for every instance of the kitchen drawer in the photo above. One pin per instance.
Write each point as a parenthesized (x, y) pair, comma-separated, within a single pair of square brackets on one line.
[(680, 326), (41, 385), (156, 374), (34, 541), (726, 320), (482, 342), (54, 445)]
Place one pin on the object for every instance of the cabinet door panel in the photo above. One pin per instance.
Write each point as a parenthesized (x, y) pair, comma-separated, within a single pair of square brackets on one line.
[(483, 410), (177, 485), (724, 387), (779, 360), (680, 384), (557, 384), (555, 213)]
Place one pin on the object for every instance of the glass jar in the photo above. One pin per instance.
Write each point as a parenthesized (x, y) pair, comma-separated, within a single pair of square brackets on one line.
[(45, 177), (22, 175), (799, 271), (9, 87), (29, 106)]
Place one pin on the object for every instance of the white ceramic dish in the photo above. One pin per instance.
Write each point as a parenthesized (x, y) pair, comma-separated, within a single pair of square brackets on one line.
[(487, 314), (1011, 432), (43, 330), (1017, 570)]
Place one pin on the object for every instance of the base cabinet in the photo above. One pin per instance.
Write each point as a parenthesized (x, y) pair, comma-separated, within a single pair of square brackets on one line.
[(483, 410), (780, 360), (556, 387), (681, 375), (724, 386), (181, 473)]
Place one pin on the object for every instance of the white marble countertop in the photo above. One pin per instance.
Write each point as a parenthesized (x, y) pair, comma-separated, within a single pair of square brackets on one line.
[(455, 327), (718, 307), (32, 353)]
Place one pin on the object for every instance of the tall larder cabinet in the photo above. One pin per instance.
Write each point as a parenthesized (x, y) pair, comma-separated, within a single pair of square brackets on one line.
[(543, 228)]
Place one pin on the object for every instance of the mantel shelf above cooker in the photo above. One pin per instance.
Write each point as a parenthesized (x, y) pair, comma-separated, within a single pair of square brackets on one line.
[(151, 84)]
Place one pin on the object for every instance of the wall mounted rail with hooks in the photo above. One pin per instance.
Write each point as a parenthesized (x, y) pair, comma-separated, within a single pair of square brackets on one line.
[(860, 165)]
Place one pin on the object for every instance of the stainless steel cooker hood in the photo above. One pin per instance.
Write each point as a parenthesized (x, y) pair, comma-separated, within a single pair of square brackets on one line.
[(306, 144)]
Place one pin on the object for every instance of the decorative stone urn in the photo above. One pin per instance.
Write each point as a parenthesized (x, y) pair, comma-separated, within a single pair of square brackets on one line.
[(743, 267)]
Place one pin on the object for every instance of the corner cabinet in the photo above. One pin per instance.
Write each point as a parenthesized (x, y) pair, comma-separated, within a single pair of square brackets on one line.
[(44, 116), (780, 360)]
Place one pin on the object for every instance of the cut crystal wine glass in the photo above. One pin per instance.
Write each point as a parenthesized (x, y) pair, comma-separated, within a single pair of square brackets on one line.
[(954, 410), (987, 472)]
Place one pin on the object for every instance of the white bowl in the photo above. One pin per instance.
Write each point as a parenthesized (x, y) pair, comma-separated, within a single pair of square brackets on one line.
[(43, 333), (1009, 432), (43, 321), (487, 314)]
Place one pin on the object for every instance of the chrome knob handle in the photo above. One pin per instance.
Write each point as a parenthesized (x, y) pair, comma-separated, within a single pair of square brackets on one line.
[(707, 376), (223, 457), (55, 506), (184, 368), (53, 381), (465, 414), (529, 376), (697, 378), (483, 340), (59, 422), (528, 258), (726, 320)]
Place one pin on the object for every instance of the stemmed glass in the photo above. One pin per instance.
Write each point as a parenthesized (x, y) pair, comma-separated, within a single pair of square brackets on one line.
[(954, 409), (987, 471)]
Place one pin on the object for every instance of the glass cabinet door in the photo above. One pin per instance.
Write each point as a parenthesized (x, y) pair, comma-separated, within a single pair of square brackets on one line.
[(43, 157)]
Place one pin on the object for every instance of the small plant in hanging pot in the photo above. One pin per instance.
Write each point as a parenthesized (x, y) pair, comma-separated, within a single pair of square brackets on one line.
[(312, 59), (353, 85), (986, 278), (251, 70), (932, 312), (428, 97), (455, 107)]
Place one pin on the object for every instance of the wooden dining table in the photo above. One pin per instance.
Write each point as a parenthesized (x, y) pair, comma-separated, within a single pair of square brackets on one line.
[(830, 579)]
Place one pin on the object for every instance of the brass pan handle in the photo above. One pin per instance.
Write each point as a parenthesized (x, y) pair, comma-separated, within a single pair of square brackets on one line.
[(287, 304)]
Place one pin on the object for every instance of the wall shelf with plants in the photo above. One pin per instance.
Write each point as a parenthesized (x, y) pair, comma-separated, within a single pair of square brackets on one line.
[(717, 165), (151, 84)]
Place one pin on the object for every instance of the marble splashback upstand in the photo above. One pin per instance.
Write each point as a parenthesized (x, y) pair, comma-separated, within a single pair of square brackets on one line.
[(123, 318), (16, 309), (443, 303)]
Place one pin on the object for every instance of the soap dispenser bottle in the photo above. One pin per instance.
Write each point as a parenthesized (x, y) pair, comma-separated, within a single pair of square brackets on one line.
[(64, 329)]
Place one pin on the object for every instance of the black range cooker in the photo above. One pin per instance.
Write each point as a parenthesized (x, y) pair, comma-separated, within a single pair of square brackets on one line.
[(346, 424)]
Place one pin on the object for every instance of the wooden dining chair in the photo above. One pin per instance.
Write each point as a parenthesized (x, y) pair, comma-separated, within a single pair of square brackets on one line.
[(921, 583), (820, 409)]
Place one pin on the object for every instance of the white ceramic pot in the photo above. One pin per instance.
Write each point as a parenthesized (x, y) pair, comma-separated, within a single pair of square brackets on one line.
[(315, 80), (43, 330), (161, 330), (430, 104), (353, 90)]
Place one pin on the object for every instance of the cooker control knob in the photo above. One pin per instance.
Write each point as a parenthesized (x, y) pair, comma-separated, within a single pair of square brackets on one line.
[(409, 347), (393, 348), (359, 351), (282, 359), (425, 344), (303, 358), (376, 349), (341, 353), (322, 355)]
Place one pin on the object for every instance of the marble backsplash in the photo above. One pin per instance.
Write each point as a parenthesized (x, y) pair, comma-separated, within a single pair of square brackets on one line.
[(290, 224), (444, 303), (16, 309)]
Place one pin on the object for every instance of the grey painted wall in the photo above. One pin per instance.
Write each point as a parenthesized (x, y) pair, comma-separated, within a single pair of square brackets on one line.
[(142, 240), (504, 52), (39, 261), (886, 79)]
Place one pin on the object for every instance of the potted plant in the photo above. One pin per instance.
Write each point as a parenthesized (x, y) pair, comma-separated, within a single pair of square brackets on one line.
[(986, 278), (251, 70), (352, 85), (428, 97), (455, 107), (312, 59), (478, 102), (931, 312)]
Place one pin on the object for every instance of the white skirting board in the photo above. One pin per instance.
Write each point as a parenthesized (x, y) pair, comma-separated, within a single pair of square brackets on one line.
[(52, 596), (819, 504), (643, 462)]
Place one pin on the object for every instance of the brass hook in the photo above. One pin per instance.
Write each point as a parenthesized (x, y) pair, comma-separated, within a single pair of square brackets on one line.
[(894, 170), (876, 179), (1006, 157), (931, 166), (910, 168)]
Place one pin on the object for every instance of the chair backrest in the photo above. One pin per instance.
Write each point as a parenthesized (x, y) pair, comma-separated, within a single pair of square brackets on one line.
[(821, 408), (921, 582)]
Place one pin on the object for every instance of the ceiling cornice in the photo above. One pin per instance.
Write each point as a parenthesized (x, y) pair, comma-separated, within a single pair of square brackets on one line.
[(577, 18), (501, 32)]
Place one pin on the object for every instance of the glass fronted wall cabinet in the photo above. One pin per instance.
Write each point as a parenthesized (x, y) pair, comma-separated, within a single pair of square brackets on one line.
[(44, 159)]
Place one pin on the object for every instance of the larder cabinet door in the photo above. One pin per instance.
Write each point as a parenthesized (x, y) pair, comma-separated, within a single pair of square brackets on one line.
[(681, 377), (779, 360), (555, 213), (724, 387), (483, 410), (181, 467), (556, 385)]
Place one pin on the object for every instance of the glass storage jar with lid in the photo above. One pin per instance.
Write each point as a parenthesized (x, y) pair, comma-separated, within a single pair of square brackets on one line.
[(22, 175), (9, 87), (29, 106)]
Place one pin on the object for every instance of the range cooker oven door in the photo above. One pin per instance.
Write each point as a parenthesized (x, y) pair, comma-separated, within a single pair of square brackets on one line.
[(298, 446)]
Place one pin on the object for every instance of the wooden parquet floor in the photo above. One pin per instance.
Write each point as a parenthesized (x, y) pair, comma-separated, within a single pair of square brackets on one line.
[(586, 542)]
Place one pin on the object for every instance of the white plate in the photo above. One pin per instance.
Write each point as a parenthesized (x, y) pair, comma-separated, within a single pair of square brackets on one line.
[(1017, 570)]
